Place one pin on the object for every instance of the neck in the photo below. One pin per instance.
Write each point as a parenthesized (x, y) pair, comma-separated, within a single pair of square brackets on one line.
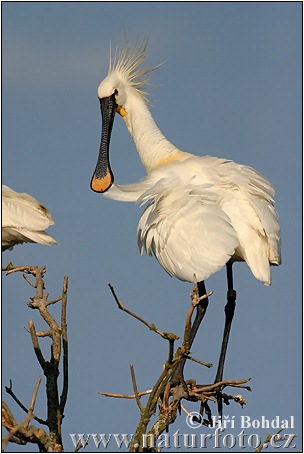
[(152, 146)]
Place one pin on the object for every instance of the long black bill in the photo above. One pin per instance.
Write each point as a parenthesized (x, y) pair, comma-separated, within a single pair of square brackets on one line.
[(103, 177)]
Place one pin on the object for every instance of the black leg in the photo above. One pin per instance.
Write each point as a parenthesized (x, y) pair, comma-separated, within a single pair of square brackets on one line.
[(178, 376), (229, 313)]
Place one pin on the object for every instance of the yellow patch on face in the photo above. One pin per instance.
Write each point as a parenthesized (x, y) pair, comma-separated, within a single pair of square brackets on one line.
[(121, 111), (101, 184)]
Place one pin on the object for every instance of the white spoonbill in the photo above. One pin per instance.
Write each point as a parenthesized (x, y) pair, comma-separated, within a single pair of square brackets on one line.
[(23, 219), (203, 212)]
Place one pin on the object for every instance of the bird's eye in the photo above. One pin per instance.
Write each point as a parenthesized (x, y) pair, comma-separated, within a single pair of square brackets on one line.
[(115, 92)]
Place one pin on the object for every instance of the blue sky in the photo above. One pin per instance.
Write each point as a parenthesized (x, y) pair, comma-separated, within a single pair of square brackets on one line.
[(230, 87)]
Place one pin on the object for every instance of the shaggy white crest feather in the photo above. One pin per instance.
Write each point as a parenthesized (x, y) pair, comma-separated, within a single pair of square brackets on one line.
[(24, 220), (128, 60), (203, 211)]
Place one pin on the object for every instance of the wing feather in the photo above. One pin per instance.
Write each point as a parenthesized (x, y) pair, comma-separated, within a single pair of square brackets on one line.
[(24, 219), (203, 212)]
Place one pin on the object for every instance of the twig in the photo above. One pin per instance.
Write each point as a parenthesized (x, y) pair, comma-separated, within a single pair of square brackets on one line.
[(36, 346), (151, 326), (9, 390), (224, 383), (25, 424), (28, 281), (199, 361), (80, 445), (195, 300), (26, 269), (33, 401), (44, 333), (135, 388), (171, 351), (48, 303), (185, 410), (126, 396)]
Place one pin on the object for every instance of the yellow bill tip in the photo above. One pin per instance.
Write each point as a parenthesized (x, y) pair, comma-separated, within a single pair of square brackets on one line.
[(102, 184)]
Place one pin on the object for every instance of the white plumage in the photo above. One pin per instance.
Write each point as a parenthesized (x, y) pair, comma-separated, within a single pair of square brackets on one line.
[(203, 211), (24, 220)]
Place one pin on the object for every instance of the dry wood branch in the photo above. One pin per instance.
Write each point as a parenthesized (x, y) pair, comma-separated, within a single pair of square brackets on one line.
[(48, 303), (168, 395), (81, 445), (161, 390), (151, 326), (222, 384), (33, 401), (22, 432), (171, 351), (10, 268), (9, 390), (28, 281), (64, 333), (36, 346), (126, 396), (135, 388), (195, 300), (58, 335), (44, 333), (199, 361)]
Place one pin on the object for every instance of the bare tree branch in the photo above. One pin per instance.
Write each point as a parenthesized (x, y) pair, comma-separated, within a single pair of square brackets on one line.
[(64, 394), (135, 388), (21, 431), (36, 346), (126, 396), (168, 395), (151, 326), (9, 390), (58, 334)]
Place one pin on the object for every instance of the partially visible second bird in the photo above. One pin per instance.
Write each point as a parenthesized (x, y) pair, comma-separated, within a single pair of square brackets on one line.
[(24, 220)]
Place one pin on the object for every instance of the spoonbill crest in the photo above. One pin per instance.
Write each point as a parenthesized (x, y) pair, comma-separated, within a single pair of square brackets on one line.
[(203, 212), (23, 220)]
